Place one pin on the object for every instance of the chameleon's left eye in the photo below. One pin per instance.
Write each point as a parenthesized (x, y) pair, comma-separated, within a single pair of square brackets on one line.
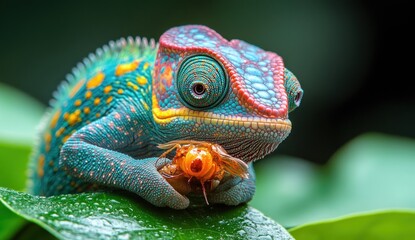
[(201, 82), (294, 90)]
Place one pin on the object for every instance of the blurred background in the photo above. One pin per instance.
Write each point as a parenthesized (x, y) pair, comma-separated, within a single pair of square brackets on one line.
[(351, 57)]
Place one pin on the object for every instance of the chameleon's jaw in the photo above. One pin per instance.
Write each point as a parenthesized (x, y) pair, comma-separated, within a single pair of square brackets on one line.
[(259, 138)]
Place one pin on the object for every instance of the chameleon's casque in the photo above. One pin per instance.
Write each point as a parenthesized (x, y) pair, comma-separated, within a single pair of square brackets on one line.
[(106, 121)]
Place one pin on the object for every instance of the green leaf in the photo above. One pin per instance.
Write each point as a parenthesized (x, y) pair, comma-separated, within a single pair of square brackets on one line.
[(9, 222), (31, 231), (105, 215), (372, 172), (19, 116), (392, 224), (13, 161)]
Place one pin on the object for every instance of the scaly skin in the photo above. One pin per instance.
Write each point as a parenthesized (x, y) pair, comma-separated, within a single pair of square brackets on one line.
[(106, 121)]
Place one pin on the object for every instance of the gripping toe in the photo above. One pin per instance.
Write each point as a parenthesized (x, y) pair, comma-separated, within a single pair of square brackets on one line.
[(156, 189)]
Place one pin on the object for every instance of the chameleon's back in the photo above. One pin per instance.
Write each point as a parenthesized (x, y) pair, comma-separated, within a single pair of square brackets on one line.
[(117, 71)]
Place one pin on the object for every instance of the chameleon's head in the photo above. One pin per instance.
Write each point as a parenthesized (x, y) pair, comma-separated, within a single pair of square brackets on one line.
[(229, 92)]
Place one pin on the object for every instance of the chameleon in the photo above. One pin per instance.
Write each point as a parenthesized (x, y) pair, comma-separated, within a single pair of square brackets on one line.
[(106, 119)]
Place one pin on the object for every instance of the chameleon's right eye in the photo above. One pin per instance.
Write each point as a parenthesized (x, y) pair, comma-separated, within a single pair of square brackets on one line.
[(201, 82)]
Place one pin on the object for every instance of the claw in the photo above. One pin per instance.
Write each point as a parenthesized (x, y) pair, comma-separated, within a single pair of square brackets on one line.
[(204, 192)]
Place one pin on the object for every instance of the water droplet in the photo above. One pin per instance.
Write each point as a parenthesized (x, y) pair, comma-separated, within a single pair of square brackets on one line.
[(114, 201), (124, 236), (241, 232), (265, 237)]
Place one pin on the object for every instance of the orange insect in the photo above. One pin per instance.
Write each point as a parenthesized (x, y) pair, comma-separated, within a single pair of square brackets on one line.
[(202, 161)]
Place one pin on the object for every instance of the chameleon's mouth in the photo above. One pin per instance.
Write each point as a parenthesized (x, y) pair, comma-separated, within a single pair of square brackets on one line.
[(254, 123)]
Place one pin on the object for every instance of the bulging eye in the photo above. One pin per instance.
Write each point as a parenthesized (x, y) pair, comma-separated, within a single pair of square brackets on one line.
[(294, 91), (298, 97), (201, 82)]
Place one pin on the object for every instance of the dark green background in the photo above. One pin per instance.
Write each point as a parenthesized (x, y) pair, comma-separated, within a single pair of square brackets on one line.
[(351, 57)]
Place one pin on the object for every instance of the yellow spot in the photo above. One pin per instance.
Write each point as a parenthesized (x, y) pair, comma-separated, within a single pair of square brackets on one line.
[(95, 81), (88, 94), (145, 66), (47, 137), (40, 165), (126, 68), (107, 89), (145, 105), (141, 80), (74, 117), (55, 119), (76, 88), (120, 91), (132, 85), (78, 103), (87, 110), (66, 116), (65, 138), (60, 131), (109, 100), (98, 115), (97, 101)]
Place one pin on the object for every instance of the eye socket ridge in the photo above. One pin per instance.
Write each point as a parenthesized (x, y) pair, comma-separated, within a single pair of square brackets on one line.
[(201, 82)]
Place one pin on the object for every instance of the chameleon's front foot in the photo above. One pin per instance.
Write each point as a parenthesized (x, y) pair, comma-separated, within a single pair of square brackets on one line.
[(153, 187), (138, 176), (235, 190)]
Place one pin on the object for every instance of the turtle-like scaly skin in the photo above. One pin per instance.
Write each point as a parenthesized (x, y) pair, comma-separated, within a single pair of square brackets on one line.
[(106, 120)]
